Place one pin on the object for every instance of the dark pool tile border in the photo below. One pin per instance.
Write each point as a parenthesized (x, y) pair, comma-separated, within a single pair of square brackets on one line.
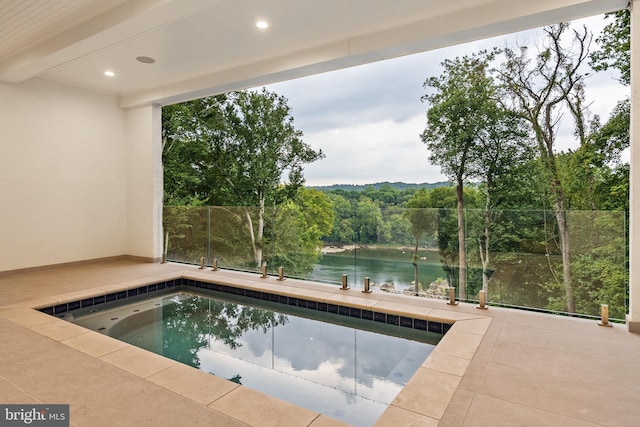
[(47, 310), (110, 297), (347, 311)]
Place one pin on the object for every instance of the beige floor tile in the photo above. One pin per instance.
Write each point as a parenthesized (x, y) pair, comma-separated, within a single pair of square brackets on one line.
[(38, 303), (78, 295), (49, 370), (29, 318), (11, 395), (439, 361), (472, 379), (296, 293), (572, 325), (563, 396), (21, 339), (623, 350), (428, 393), (352, 298), (459, 344), (401, 298), (59, 330), (125, 282), (487, 411), (581, 367), (395, 416), (475, 326), (193, 383), (95, 344), (138, 361), (310, 295), (457, 410), (259, 410), (11, 313), (485, 349), (399, 309), (110, 397), (449, 316), (107, 289)]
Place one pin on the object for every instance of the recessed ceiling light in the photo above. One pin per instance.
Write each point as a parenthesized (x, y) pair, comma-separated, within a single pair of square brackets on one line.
[(262, 24), (145, 59), (109, 73)]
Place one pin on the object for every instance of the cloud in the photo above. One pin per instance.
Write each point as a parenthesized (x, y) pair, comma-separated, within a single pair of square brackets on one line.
[(367, 119), (386, 150)]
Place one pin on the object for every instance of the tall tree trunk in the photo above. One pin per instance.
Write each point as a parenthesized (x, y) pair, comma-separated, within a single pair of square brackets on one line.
[(259, 246), (559, 207), (563, 231), (415, 266), (256, 237), (484, 245), (462, 251), (252, 235)]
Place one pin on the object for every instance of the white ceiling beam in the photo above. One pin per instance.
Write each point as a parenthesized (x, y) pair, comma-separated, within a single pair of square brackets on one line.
[(473, 23), (119, 23)]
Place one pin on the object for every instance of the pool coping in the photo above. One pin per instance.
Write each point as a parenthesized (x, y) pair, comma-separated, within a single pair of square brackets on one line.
[(423, 400)]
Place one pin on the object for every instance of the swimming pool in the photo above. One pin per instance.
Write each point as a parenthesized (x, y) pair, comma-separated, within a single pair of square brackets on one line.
[(341, 371)]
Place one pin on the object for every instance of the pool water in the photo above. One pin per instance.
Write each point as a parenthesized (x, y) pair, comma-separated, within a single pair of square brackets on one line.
[(341, 371)]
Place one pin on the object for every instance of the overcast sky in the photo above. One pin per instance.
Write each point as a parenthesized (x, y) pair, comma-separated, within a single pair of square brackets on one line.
[(367, 120)]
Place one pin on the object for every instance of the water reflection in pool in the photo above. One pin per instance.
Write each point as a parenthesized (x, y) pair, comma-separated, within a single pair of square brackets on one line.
[(345, 373)]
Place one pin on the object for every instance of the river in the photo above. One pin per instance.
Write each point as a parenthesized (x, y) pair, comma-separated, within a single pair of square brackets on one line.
[(381, 265)]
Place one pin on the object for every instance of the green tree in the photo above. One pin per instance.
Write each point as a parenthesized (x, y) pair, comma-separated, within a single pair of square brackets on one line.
[(234, 150), (261, 144), (399, 227), (540, 87), (458, 110), (444, 199), (186, 234), (613, 136), (343, 227), (301, 223), (369, 221), (422, 221), (615, 46), (504, 145), (191, 132)]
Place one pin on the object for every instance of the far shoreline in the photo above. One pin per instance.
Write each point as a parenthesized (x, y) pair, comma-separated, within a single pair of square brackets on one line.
[(333, 249)]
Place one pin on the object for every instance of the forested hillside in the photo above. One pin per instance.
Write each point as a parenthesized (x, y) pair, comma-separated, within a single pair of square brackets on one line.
[(379, 185)]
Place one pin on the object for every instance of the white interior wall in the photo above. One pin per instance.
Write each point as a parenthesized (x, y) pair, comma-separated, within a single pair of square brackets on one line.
[(62, 175), (144, 182)]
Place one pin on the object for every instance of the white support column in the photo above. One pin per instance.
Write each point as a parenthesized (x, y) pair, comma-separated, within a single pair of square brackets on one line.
[(144, 182), (633, 319)]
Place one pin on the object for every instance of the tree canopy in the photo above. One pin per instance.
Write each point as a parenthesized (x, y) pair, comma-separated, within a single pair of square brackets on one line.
[(234, 150)]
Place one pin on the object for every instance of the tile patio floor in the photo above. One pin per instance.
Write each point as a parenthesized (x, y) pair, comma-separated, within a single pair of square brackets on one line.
[(496, 367)]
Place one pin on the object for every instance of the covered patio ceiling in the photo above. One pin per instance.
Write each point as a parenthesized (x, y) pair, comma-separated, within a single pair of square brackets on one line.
[(202, 47)]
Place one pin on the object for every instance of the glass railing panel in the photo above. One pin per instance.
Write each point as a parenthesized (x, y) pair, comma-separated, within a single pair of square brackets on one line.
[(338, 250), (599, 273), (526, 267), (294, 243), (186, 233), (237, 237), (514, 256), (397, 247)]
